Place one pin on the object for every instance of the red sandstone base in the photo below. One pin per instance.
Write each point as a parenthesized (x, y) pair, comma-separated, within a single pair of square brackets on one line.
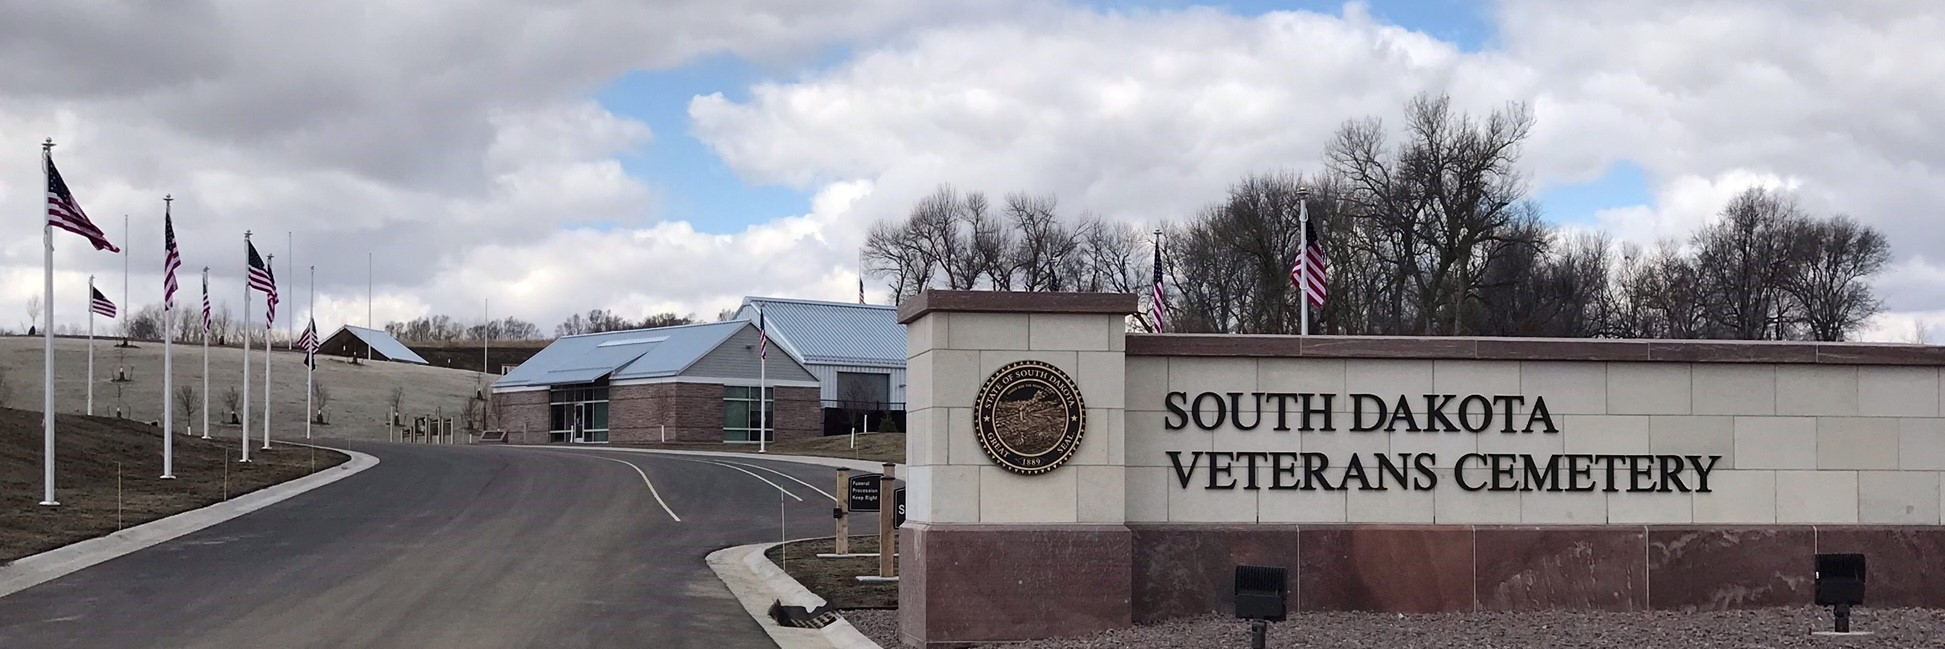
[(962, 585), (975, 584)]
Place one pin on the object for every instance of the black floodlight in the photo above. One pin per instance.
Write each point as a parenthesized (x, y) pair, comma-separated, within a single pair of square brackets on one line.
[(1840, 585), (1261, 596)]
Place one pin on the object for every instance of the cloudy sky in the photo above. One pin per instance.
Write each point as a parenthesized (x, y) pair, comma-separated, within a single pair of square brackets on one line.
[(680, 154)]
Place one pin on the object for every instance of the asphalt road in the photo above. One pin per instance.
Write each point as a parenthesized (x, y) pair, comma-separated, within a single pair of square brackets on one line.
[(444, 546)]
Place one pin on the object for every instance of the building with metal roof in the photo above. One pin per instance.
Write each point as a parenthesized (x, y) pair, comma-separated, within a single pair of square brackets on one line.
[(856, 351), (359, 342), (688, 383)]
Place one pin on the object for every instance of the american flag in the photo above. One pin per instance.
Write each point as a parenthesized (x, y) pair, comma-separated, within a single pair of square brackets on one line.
[(1310, 273), (99, 303), (207, 323), (763, 336), (171, 260), (1160, 307), (262, 280), (308, 341), (64, 213)]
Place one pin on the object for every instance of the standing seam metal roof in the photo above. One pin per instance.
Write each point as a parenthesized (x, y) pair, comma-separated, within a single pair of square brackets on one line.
[(383, 343), (834, 333), (620, 355)]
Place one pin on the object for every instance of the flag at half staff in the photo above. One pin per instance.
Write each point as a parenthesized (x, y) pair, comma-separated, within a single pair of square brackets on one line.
[(171, 260), (1160, 303), (763, 335), (1309, 273), (65, 213), (308, 342), (99, 304)]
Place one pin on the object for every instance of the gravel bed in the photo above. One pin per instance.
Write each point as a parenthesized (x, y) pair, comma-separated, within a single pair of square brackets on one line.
[(1772, 628), (881, 625)]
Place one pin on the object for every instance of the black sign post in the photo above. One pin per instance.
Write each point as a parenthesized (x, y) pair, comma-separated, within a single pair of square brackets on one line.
[(898, 507), (864, 492)]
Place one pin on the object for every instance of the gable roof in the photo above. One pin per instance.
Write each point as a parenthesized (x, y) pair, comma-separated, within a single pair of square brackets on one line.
[(380, 343), (832, 333), (621, 355)]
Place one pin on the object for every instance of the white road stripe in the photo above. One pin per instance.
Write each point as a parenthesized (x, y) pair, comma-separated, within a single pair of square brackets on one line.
[(651, 485), (788, 476), (746, 471)]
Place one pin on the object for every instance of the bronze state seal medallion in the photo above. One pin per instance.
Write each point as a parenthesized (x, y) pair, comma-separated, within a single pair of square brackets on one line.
[(1029, 417)]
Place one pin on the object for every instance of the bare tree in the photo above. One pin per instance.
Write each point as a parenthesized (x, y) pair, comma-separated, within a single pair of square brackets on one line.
[(397, 400), (1744, 260), (34, 311), (232, 399), (187, 402), (321, 394), (1827, 280), (1437, 207)]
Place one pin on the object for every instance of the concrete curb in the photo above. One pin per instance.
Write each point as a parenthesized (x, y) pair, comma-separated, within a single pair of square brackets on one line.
[(865, 466), (53, 564), (757, 582)]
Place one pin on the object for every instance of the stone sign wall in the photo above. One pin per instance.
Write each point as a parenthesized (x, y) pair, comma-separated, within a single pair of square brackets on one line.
[(1394, 474)]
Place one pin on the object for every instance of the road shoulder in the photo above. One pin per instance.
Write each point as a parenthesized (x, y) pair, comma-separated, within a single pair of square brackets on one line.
[(34, 570)]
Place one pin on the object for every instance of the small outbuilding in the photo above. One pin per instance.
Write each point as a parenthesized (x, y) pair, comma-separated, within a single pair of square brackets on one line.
[(370, 344), (689, 383)]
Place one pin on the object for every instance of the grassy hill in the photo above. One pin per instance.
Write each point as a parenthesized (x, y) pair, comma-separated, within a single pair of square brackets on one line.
[(107, 477), (360, 395)]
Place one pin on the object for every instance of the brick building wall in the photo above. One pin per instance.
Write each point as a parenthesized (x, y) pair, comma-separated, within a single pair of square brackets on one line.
[(523, 415), (692, 412)]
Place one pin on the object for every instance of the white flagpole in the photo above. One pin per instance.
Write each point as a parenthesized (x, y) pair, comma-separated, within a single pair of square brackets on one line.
[(268, 328), (290, 256), (168, 365), (123, 312), (47, 335), (1303, 254), (91, 344), (205, 361), (762, 386), (244, 332), (310, 364)]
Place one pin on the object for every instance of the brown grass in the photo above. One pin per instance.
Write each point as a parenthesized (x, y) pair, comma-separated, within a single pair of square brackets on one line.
[(872, 447), (93, 453), (835, 580)]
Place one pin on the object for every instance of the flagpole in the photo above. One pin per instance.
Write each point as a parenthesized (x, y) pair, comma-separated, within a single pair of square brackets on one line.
[(47, 334), (1303, 253), (268, 328), (205, 358), (290, 257), (244, 332), (123, 313), (310, 363), (168, 359), (762, 385), (91, 345)]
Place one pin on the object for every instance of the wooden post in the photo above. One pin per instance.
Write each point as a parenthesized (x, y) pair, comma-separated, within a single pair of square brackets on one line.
[(887, 535), (843, 512)]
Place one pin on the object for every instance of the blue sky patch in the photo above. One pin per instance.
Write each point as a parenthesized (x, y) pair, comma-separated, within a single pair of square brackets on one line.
[(1623, 184)]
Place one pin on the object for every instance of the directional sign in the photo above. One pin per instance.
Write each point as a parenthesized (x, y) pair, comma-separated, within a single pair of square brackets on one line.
[(898, 505), (864, 492)]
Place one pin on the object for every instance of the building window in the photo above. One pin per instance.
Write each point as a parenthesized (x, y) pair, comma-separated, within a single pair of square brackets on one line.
[(578, 413), (743, 417)]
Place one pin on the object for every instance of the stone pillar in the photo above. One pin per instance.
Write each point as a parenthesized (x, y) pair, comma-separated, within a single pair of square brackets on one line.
[(992, 555)]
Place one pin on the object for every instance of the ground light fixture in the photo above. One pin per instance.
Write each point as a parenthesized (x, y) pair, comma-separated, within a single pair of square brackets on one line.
[(1262, 593), (1840, 585)]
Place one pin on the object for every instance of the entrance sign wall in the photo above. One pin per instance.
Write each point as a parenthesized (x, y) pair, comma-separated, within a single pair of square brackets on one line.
[(1394, 474)]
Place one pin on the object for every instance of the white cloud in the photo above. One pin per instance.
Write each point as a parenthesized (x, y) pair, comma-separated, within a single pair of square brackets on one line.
[(458, 143)]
